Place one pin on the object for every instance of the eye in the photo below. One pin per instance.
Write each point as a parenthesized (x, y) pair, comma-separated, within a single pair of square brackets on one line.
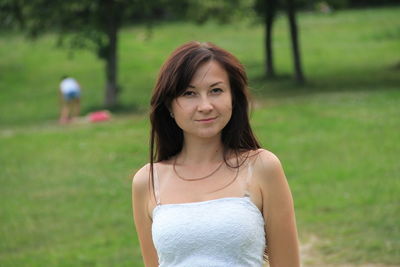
[(188, 93), (216, 90)]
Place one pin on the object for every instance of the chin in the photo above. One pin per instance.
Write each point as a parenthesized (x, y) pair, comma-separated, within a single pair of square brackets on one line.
[(209, 133)]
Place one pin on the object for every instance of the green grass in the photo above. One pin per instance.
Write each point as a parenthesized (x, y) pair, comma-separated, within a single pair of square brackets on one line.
[(65, 191), (340, 154)]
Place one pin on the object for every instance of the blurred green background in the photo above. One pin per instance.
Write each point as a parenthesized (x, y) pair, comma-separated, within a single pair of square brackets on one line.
[(66, 190)]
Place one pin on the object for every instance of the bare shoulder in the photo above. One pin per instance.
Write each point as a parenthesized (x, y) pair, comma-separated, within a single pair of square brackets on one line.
[(267, 166), (273, 185), (140, 180), (265, 160)]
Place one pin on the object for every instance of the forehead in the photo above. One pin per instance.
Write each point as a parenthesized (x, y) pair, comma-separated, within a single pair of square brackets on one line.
[(209, 72)]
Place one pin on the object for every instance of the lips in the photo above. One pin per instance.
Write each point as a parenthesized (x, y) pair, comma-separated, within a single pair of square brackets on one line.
[(207, 119)]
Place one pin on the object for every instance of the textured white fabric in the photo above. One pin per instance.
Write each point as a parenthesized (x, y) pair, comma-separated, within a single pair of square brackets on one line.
[(214, 233)]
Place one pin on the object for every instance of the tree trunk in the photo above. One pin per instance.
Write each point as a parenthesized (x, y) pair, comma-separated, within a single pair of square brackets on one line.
[(270, 11), (111, 56), (295, 43)]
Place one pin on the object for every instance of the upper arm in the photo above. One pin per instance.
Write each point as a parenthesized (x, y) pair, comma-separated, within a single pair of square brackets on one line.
[(143, 222), (278, 212)]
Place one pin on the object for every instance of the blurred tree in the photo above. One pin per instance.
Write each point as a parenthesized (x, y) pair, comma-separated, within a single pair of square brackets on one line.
[(222, 11), (342, 4), (269, 18), (268, 9), (91, 24), (290, 6), (225, 11)]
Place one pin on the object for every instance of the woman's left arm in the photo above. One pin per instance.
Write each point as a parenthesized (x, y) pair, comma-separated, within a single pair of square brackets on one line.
[(278, 212)]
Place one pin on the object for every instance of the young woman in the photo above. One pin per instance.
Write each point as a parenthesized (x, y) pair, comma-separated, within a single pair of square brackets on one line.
[(210, 196)]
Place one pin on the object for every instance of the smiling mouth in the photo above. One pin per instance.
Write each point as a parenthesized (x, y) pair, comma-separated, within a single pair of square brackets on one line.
[(207, 120)]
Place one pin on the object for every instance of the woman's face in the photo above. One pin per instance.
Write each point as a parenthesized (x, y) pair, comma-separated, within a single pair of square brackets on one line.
[(205, 107)]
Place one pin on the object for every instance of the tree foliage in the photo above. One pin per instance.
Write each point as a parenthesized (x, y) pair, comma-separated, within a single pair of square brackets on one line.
[(222, 11), (90, 24), (79, 23), (94, 24)]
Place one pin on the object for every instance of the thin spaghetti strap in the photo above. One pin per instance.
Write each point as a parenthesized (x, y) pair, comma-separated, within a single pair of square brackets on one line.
[(248, 177), (156, 186)]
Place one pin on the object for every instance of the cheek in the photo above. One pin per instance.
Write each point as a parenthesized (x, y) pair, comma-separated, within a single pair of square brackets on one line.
[(176, 110), (182, 105), (182, 114)]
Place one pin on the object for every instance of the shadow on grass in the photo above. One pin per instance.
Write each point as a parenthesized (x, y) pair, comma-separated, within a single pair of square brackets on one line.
[(368, 79)]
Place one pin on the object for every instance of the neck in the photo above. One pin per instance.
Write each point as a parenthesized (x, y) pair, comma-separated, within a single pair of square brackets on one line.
[(201, 151)]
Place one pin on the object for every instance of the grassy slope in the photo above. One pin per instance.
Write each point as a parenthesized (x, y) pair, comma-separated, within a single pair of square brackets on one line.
[(66, 190)]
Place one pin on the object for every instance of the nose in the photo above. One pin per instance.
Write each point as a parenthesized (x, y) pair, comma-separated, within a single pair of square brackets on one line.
[(205, 105)]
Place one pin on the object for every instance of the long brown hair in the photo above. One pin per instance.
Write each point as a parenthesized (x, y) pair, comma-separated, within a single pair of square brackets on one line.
[(166, 138)]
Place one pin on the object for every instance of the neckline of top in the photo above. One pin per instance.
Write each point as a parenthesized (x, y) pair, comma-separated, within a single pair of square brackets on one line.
[(157, 194), (245, 198)]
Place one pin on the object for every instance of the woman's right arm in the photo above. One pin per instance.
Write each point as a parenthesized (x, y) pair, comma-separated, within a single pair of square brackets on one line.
[(140, 200)]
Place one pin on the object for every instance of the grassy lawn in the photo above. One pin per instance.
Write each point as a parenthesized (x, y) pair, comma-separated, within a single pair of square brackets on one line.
[(65, 194)]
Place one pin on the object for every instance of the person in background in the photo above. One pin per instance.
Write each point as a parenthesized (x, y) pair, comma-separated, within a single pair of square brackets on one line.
[(210, 196), (70, 93)]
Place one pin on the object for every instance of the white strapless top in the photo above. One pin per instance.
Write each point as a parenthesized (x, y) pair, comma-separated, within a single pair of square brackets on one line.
[(214, 233)]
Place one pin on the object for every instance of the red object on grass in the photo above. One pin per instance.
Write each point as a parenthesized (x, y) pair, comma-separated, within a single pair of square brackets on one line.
[(98, 116)]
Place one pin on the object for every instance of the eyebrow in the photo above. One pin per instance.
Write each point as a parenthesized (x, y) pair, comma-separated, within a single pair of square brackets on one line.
[(212, 85)]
